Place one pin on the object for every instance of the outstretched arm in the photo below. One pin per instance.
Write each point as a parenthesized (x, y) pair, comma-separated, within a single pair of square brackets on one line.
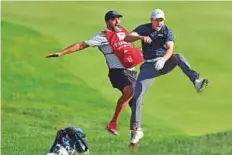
[(70, 49), (133, 36), (138, 34)]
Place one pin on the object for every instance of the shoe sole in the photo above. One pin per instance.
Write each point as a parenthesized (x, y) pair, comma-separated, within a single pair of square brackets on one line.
[(203, 85), (133, 145)]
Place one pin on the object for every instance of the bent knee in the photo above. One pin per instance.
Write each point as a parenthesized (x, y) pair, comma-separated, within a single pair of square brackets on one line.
[(128, 92), (178, 55)]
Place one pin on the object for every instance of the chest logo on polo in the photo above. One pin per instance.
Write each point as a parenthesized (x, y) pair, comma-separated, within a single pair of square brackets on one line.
[(153, 34)]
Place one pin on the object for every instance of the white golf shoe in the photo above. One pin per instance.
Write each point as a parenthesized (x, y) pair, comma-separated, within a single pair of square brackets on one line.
[(200, 84), (136, 135)]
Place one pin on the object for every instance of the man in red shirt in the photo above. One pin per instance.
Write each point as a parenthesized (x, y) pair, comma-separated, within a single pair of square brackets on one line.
[(120, 77)]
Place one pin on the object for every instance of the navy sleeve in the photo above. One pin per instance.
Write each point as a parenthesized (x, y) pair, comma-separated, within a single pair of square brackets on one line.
[(140, 29), (170, 35)]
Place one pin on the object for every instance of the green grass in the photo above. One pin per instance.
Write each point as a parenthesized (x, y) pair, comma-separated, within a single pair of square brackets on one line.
[(40, 96)]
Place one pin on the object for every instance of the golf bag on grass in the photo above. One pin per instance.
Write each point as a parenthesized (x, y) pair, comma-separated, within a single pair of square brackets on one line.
[(69, 141)]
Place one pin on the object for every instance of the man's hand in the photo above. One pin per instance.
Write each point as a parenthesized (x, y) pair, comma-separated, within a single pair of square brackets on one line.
[(53, 55), (147, 39), (160, 63)]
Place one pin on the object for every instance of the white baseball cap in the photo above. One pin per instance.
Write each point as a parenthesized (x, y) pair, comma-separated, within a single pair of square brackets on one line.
[(157, 13)]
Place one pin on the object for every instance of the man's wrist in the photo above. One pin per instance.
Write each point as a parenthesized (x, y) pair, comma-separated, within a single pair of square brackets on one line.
[(141, 37), (164, 58)]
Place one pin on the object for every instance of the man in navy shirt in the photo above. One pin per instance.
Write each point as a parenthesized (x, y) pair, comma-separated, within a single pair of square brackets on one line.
[(157, 44)]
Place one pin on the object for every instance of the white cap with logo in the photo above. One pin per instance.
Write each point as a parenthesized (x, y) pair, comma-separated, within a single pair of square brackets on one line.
[(157, 13)]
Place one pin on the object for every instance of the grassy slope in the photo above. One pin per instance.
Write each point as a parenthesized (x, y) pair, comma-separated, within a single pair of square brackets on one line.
[(36, 91)]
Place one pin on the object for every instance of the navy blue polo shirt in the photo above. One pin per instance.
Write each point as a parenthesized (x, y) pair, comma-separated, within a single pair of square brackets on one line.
[(157, 48)]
